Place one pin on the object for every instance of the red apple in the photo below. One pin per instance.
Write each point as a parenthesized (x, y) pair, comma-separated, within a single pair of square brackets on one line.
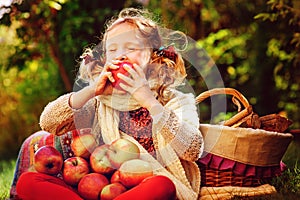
[(115, 178), (132, 172), (84, 145), (99, 161), (48, 160), (91, 185), (121, 70), (111, 191), (122, 150), (74, 169)]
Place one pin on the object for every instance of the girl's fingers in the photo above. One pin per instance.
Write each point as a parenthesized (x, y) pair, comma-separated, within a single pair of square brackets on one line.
[(125, 87), (113, 66), (116, 62), (109, 66), (131, 71), (128, 80), (110, 76), (101, 82), (138, 69), (106, 66)]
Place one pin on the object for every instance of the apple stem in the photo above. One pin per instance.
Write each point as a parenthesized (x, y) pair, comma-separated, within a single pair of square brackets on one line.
[(75, 162)]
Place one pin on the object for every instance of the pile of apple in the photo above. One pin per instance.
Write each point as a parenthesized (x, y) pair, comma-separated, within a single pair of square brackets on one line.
[(97, 172)]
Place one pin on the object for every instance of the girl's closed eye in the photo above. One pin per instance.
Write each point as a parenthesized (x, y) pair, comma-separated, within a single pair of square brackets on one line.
[(132, 48), (112, 49)]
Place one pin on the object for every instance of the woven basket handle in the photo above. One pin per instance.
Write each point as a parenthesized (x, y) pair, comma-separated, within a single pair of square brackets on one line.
[(237, 99)]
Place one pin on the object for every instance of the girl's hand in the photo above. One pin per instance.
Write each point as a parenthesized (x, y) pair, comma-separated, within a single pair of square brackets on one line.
[(102, 84), (137, 85)]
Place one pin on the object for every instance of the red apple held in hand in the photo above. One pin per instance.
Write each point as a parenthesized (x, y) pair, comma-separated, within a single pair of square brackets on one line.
[(122, 150), (83, 145), (48, 160), (91, 185), (99, 161), (121, 70), (132, 172), (74, 169), (111, 191)]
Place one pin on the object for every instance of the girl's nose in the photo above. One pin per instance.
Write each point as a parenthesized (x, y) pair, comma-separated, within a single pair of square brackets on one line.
[(122, 57)]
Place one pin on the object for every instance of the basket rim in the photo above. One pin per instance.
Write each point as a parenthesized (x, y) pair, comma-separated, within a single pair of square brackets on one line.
[(285, 134)]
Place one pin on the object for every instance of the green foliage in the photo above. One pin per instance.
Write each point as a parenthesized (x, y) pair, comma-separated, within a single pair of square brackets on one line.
[(229, 50), (83, 30), (289, 181), (8, 44), (60, 29), (24, 91), (23, 95), (6, 177), (284, 48)]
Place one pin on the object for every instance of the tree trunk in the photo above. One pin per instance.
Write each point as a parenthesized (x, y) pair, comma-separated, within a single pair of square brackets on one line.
[(61, 68)]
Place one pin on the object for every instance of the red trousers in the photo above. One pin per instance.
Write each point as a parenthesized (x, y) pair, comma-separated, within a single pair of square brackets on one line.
[(38, 186)]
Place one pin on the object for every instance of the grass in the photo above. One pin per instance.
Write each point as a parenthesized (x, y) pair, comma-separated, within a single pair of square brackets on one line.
[(6, 176), (287, 185)]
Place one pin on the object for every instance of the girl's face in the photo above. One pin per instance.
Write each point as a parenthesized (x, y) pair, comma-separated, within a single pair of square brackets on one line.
[(123, 43)]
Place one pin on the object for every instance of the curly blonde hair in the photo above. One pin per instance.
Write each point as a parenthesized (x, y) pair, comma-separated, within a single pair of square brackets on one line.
[(162, 72)]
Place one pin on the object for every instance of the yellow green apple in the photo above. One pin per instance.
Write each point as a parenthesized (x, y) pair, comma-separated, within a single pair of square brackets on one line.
[(83, 145), (122, 150), (133, 172)]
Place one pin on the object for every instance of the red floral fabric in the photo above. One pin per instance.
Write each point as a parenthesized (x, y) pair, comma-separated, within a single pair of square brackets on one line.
[(138, 124)]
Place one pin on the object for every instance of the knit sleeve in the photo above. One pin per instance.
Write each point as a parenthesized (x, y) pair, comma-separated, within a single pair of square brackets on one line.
[(58, 117), (179, 125)]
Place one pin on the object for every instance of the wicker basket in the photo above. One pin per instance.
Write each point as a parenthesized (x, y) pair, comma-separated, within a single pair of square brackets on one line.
[(241, 139), (219, 178)]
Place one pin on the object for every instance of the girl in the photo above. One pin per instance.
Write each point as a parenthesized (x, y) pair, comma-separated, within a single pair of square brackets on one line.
[(146, 109)]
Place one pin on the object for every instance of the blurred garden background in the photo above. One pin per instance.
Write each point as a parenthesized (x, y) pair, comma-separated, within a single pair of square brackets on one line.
[(255, 44)]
